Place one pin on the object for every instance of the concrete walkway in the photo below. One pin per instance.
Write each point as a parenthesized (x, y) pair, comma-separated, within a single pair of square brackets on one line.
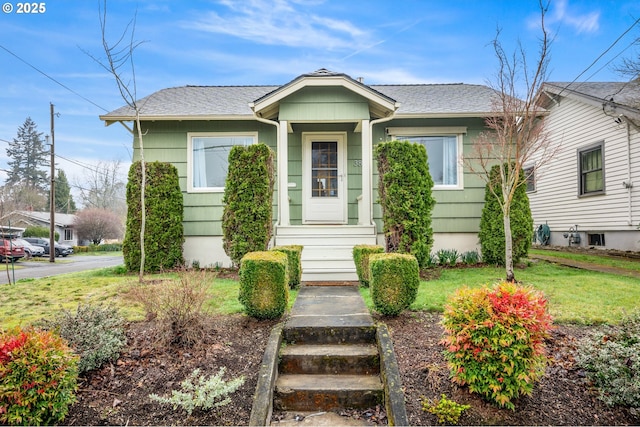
[(326, 307), (329, 306)]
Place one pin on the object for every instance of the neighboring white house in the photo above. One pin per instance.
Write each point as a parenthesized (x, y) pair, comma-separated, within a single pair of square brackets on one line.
[(588, 193), (64, 223)]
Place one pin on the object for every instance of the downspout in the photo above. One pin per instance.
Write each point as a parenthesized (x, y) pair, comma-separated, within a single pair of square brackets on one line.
[(629, 184), (372, 123), (277, 125)]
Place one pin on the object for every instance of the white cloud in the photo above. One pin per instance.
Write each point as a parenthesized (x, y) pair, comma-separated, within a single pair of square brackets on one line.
[(564, 14), (280, 23)]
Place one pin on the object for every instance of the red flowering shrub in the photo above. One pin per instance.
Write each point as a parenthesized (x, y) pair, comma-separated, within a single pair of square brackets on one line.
[(494, 340), (38, 375)]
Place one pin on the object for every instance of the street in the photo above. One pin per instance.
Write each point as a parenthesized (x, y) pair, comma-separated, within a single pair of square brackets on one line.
[(73, 263)]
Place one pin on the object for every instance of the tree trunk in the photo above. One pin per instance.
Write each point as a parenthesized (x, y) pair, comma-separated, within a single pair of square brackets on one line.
[(143, 205), (508, 248)]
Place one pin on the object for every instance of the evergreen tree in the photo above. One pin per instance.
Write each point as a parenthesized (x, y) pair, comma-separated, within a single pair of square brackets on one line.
[(64, 200), (405, 198), (28, 157), (491, 235)]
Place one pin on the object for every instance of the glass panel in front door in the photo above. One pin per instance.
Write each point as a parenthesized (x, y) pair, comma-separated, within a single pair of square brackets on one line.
[(324, 169)]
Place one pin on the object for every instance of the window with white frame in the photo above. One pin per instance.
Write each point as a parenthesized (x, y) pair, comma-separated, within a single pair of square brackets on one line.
[(444, 149), (591, 169), (208, 158), (68, 234)]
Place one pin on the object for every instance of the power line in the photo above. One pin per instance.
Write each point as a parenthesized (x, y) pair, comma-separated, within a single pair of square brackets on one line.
[(601, 55), (52, 79)]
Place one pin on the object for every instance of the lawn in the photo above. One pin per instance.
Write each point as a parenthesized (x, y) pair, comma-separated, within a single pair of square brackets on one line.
[(575, 296)]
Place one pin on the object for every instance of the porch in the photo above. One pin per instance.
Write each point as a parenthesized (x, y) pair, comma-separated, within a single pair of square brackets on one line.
[(327, 254)]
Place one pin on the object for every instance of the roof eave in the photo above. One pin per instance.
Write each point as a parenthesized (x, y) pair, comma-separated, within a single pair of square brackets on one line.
[(109, 120)]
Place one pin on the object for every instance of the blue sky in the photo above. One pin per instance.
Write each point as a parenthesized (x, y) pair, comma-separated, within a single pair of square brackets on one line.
[(247, 42)]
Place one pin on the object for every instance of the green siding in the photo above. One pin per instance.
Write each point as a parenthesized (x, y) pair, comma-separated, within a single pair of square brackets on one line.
[(167, 142), (324, 104), (455, 210)]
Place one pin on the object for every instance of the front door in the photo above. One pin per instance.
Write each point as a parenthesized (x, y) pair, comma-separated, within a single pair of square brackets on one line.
[(324, 178)]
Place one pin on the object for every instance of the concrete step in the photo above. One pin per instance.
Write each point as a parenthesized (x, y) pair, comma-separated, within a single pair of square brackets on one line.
[(329, 334), (327, 392), (345, 359), (329, 276), (324, 230)]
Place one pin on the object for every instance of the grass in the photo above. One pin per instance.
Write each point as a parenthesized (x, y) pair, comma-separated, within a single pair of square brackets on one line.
[(30, 300), (575, 296), (627, 264)]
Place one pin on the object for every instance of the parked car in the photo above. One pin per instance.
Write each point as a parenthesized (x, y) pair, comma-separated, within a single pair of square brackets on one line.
[(10, 249), (31, 250), (60, 250)]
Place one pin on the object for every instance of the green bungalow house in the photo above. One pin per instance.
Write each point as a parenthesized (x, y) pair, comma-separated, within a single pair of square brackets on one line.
[(323, 127)]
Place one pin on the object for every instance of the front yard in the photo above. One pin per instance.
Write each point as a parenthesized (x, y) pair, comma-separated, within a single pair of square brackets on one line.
[(579, 300)]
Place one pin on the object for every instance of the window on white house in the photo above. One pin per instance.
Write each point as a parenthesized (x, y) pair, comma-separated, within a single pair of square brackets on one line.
[(208, 159), (530, 177), (68, 234), (591, 169), (442, 154)]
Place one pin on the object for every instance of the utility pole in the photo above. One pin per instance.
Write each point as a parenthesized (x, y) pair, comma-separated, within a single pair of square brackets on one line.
[(52, 197)]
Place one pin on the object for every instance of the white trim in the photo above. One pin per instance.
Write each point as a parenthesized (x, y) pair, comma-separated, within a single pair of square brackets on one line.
[(190, 136), (282, 159), (427, 131), (341, 138), (457, 131)]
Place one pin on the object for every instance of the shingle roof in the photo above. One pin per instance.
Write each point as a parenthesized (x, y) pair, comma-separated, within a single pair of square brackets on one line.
[(200, 102), (622, 93)]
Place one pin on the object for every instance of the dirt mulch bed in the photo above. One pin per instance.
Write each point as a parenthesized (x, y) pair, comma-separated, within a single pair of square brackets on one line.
[(118, 393)]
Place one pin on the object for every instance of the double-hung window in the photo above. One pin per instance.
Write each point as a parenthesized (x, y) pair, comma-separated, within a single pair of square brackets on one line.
[(591, 169), (444, 150), (208, 158)]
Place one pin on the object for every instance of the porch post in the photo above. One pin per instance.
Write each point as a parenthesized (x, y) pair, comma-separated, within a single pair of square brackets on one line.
[(282, 157), (367, 160)]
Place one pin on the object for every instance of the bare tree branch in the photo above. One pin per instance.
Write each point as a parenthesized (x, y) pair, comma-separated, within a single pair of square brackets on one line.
[(120, 63), (516, 137)]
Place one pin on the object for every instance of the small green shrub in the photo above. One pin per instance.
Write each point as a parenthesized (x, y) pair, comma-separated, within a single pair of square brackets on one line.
[(38, 377), (470, 257), (203, 393), (107, 247), (394, 282), (612, 362), (447, 411), (294, 256), (264, 290), (177, 304), (447, 257), (95, 332), (38, 231), (494, 340), (361, 260)]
